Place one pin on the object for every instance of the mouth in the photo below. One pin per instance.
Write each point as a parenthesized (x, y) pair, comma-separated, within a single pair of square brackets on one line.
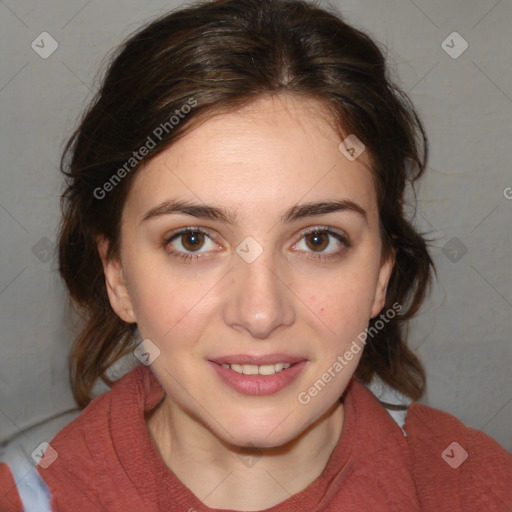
[(258, 379)]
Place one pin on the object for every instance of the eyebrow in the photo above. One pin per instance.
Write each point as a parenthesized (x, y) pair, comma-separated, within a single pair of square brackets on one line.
[(211, 212)]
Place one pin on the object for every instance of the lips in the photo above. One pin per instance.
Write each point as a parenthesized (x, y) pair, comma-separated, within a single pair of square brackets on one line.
[(259, 385)]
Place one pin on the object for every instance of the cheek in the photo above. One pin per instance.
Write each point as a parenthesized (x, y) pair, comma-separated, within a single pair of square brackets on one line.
[(166, 304), (342, 298)]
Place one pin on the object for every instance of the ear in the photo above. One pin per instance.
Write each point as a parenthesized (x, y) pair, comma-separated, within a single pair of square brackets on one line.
[(116, 284), (382, 283)]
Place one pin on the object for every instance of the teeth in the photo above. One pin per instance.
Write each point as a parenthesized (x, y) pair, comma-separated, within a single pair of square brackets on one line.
[(250, 369), (253, 369), (269, 369)]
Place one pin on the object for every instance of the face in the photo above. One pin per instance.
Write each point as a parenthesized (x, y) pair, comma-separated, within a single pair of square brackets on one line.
[(258, 279)]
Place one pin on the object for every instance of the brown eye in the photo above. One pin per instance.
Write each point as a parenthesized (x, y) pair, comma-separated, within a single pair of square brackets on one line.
[(188, 243), (192, 240), (319, 240), (323, 243)]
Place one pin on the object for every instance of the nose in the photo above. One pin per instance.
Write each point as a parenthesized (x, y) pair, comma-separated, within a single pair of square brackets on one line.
[(259, 301)]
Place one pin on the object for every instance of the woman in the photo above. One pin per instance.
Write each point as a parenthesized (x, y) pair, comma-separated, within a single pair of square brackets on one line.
[(234, 217)]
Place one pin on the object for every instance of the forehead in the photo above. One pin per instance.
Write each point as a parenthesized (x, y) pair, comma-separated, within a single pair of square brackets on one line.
[(265, 157)]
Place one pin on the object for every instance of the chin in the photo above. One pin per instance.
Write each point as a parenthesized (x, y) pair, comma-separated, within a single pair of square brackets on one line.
[(273, 435), (260, 442)]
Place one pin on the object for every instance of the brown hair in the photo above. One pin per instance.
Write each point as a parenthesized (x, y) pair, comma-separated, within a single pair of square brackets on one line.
[(219, 56)]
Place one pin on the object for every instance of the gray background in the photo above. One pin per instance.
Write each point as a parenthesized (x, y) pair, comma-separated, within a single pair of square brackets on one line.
[(463, 332)]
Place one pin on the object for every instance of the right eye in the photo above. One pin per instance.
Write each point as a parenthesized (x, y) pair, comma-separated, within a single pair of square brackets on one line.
[(190, 238)]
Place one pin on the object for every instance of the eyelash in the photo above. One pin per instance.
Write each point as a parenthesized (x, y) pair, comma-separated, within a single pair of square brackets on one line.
[(188, 257)]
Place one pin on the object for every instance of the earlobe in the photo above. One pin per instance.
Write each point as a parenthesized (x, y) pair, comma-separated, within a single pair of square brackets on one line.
[(115, 283), (382, 284)]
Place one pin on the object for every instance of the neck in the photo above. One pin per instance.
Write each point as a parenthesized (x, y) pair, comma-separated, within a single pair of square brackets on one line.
[(239, 478)]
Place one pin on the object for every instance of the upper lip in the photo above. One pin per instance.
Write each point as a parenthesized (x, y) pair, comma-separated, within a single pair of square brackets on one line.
[(258, 360)]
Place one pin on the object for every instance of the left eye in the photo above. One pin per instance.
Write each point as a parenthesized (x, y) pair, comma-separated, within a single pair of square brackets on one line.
[(318, 239)]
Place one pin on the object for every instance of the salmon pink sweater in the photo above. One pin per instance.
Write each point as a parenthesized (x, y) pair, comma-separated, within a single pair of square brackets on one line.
[(107, 462)]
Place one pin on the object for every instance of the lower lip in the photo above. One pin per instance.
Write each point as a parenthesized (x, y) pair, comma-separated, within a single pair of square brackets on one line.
[(258, 385)]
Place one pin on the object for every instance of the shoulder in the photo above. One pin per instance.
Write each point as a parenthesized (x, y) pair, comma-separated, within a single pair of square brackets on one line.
[(26, 478), (68, 464), (456, 467), (428, 426)]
